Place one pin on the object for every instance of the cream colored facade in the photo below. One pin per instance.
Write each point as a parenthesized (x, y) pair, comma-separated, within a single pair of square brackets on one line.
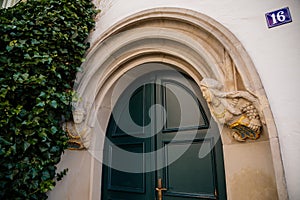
[(225, 40), (8, 3)]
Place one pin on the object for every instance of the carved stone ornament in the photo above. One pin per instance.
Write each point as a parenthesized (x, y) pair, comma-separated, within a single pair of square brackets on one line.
[(78, 132), (238, 110)]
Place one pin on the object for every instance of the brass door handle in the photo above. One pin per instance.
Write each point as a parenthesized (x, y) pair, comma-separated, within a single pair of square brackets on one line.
[(159, 189)]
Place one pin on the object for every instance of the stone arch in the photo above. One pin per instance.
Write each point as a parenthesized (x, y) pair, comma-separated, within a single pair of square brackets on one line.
[(199, 46)]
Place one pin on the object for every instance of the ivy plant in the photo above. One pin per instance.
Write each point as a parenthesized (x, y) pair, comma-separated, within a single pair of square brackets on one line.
[(42, 46)]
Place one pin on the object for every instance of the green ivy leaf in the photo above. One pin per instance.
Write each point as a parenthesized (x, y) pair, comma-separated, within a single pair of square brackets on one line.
[(42, 48), (45, 175), (53, 103), (26, 145), (5, 142), (41, 104), (53, 130)]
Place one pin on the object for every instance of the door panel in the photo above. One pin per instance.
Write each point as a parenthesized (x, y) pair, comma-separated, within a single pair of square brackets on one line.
[(137, 105), (182, 107), (127, 182), (177, 143), (184, 180)]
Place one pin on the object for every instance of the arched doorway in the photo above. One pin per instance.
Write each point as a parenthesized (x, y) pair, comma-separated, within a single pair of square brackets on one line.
[(156, 130), (200, 47)]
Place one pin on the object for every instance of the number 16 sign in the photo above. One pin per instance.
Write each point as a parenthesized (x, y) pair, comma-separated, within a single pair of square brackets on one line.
[(278, 17)]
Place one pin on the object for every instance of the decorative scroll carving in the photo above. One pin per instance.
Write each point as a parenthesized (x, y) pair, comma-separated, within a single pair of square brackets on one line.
[(78, 132), (238, 110)]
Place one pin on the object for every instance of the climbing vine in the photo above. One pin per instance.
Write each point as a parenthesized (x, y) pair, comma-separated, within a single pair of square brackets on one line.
[(42, 46)]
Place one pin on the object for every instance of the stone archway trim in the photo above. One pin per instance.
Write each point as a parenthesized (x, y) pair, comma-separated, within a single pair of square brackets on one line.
[(201, 53)]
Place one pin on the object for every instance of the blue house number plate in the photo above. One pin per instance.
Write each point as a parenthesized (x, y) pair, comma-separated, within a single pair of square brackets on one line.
[(278, 17)]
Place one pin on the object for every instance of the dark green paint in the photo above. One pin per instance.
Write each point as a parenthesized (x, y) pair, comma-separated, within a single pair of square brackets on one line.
[(188, 177)]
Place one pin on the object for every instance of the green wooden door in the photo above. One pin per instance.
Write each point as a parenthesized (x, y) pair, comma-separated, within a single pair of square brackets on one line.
[(159, 131)]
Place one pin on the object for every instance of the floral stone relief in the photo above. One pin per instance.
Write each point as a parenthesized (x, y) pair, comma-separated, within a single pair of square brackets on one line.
[(237, 110)]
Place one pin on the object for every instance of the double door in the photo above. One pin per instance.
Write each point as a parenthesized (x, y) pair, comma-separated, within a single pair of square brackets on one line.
[(162, 144)]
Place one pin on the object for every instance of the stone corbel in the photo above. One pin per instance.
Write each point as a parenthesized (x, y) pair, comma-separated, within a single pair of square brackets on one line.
[(78, 132), (237, 110)]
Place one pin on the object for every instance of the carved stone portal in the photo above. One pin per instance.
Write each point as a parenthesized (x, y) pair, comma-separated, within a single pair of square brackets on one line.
[(238, 110), (78, 132)]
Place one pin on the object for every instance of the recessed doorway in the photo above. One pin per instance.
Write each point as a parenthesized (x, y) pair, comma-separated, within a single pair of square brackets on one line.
[(156, 130)]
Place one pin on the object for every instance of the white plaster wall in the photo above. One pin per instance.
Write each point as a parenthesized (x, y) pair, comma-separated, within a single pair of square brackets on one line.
[(275, 52)]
